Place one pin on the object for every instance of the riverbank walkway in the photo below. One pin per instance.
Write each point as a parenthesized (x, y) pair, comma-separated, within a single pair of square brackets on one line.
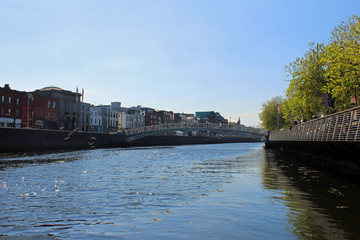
[(338, 127)]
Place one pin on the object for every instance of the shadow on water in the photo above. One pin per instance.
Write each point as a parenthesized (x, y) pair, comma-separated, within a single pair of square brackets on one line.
[(321, 205)]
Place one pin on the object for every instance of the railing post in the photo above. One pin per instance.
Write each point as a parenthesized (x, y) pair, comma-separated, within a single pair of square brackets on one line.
[(301, 132), (323, 128), (296, 131), (317, 130), (309, 131), (314, 127), (312, 130), (341, 127), (333, 135), (320, 130), (349, 125), (329, 125), (357, 128)]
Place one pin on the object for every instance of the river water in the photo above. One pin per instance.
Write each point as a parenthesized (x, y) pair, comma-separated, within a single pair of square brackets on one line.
[(222, 191)]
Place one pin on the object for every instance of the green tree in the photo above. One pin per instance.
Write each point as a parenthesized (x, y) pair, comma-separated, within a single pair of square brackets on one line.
[(342, 60), (332, 70), (268, 115), (306, 85)]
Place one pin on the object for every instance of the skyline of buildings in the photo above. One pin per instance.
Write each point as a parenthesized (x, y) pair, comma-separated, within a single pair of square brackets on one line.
[(59, 109)]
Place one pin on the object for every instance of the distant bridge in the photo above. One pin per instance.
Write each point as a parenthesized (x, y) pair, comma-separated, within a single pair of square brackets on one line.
[(211, 129)]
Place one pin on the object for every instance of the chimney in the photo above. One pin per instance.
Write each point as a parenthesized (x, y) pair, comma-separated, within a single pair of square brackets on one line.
[(7, 86)]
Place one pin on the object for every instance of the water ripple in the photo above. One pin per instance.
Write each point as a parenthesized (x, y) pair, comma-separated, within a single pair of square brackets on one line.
[(213, 191)]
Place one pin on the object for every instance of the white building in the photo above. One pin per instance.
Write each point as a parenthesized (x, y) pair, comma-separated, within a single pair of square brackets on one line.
[(115, 109), (95, 120), (105, 118), (100, 118), (131, 118)]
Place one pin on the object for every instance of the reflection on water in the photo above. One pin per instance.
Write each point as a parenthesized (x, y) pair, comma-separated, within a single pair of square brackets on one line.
[(321, 206), (224, 191)]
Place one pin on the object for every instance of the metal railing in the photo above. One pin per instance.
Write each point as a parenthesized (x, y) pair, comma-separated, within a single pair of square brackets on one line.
[(341, 126), (222, 129)]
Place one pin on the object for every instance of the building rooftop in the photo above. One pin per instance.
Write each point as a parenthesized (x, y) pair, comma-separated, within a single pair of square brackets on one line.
[(57, 89), (51, 88)]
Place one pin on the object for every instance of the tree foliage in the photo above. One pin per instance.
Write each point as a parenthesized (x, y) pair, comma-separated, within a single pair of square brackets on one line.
[(304, 94), (269, 112), (325, 79), (342, 59)]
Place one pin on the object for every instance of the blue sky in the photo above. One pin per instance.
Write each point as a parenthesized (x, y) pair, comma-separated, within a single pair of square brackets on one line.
[(185, 56)]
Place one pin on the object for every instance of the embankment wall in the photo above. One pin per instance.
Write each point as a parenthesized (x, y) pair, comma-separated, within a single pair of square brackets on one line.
[(22, 140)]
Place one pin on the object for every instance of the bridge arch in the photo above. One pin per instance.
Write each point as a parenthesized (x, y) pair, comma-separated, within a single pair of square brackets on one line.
[(209, 128)]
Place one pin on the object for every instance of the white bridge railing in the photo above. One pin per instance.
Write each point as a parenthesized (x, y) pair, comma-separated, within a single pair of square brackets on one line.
[(341, 126), (225, 129)]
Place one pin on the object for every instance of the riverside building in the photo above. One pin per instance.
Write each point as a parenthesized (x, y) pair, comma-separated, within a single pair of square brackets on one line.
[(68, 103), (131, 118), (11, 102)]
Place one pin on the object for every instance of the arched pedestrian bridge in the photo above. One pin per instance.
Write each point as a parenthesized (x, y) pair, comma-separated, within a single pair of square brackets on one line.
[(207, 129)]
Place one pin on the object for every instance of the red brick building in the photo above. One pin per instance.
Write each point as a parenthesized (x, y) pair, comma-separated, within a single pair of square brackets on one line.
[(152, 119), (10, 107), (165, 116), (40, 112), (68, 106)]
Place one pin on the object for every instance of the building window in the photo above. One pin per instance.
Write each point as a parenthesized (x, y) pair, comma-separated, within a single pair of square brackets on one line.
[(9, 99), (2, 112), (3, 99), (9, 111), (54, 105), (17, 101), (49, 104), (17, 113)]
